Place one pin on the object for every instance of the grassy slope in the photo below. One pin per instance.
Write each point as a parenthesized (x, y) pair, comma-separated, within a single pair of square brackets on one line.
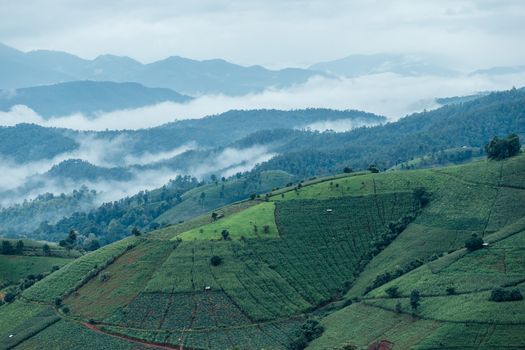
[(221, 194), (16, 267), (483, 197), (31, 261), (264, 286), (239, 225), (34, 248)]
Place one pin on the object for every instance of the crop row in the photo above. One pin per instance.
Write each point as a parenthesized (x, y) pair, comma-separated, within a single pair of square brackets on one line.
[(78, 272)]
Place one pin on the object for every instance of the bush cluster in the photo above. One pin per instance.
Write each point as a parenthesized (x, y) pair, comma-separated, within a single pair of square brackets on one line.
[(310, 330), (474, 243), (500, 294)]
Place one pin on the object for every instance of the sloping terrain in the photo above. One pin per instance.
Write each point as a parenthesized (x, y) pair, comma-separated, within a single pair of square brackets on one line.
[(86, 97), (310, 251)]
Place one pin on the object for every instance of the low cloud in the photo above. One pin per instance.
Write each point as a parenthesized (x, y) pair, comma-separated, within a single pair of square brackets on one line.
[(340, 125), (231, 161), (386, 94), (26, 181)]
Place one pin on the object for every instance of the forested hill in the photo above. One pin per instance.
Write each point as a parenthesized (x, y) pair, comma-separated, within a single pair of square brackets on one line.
[(28, 142), (471, 124)]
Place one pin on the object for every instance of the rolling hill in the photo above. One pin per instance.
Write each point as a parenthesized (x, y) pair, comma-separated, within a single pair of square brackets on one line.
[(86, 97), (308, 265)]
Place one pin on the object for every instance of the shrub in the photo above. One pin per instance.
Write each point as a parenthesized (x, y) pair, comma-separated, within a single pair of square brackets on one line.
[(392, 292), (399, 309), (9, 297), (451, 290), (266, 228), (310, 330), (225, 235), (58, 301), (46, 249), (104, 277), (421, 196), (474, 243), (415, 298), (347, 170), (7, 248), (503, 148), (216, 260), (500, 295), (373, 168)]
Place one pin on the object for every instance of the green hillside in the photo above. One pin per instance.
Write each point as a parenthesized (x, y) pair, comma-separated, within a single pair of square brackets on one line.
[(24, 262), (346, 251)]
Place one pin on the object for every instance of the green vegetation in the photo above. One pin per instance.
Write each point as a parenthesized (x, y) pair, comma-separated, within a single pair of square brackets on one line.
[(17, 267), (247, 223), (503, 148), (350, 261), (72, 276)]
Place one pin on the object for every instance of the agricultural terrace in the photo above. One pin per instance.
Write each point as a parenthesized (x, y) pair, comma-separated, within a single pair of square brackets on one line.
[(339, 242)]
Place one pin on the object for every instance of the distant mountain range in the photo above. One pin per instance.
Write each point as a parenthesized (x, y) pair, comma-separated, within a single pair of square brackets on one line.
[(192, 77), (19, 69), (500, 70), (86, 97), (358, 65)]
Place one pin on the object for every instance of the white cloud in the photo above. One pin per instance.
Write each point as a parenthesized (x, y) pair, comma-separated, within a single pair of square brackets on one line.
[(385, 94), (232, 160), (340, 125)]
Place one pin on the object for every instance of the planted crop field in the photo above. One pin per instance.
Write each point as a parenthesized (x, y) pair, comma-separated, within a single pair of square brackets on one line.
[(361, 325), (120, 282), (501, 264), (70, 335), (467, 308), (72, 276), (16, 267), (333, 249)]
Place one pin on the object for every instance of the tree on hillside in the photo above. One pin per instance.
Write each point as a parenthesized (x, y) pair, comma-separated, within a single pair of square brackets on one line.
[(373, 168), (499, 149), (474, 243), (422, 196), (216, 260), (7, 247), (19, 247), (136, 232), (225, 235), (392, 292), (415, 298), (46, 249), (9, 297), (70, 241)]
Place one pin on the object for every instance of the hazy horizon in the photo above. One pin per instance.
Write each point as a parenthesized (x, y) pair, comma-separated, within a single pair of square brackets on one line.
[(465, 34)]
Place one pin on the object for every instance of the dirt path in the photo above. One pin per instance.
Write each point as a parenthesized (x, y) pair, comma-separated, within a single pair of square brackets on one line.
[(133, 340)]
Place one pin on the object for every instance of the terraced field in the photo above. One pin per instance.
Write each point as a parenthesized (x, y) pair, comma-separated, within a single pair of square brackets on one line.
[(325, 245)]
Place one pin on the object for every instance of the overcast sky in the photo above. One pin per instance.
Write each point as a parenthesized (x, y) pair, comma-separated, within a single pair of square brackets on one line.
[(466, 34)]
